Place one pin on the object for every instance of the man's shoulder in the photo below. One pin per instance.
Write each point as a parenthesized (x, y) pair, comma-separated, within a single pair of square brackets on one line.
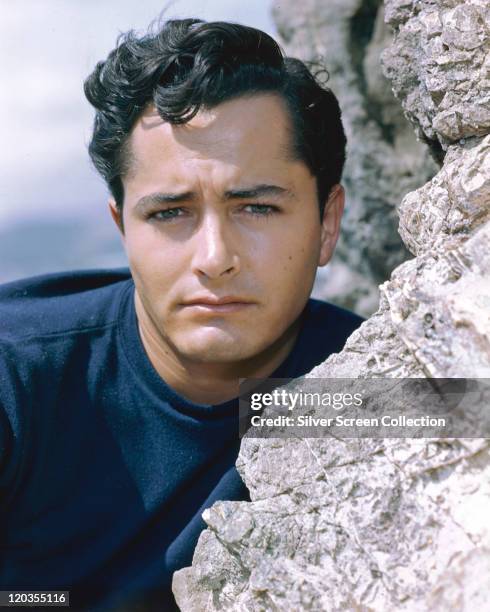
[(60, 303), (324, 315), (327, 326), (320, 312)]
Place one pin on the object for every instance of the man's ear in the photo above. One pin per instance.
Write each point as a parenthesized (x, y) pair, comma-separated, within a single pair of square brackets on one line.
[(332, 214), (116, 215)]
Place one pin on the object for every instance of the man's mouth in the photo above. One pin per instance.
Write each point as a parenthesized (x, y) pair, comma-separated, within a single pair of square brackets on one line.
[(215, 304)]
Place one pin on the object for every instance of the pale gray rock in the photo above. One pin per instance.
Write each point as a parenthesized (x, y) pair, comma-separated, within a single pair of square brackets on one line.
[(433, 320), (452, 205), (348, 525), (466, 585), (439, 66), (385, 524)]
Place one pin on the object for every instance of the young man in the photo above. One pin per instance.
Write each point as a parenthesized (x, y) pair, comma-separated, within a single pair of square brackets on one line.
[(118, 409)]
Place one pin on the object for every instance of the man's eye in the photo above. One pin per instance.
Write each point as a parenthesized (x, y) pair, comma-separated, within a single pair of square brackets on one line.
[(168, 214), (260, 210)]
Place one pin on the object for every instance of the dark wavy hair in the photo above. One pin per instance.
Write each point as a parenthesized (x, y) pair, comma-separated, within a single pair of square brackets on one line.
[(188, 64)]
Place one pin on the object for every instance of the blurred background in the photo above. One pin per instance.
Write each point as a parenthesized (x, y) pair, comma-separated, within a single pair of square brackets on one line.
[(53, 205)]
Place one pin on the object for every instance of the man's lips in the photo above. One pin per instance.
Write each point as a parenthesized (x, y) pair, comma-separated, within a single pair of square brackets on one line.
[(228, 303), (212, 300)]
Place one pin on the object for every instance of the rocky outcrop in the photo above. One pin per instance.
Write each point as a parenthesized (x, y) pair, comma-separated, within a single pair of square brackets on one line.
[(387, 524), (440, 68)]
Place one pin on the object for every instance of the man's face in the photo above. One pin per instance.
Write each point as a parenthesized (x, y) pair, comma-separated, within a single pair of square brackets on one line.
[(217, 211)]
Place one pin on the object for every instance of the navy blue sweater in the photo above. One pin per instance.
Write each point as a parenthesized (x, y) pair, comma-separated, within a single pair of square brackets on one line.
[(105, 470)]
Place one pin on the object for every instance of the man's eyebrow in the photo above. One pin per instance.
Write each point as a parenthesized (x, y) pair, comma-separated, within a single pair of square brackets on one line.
[(153, 199), (258, 191)]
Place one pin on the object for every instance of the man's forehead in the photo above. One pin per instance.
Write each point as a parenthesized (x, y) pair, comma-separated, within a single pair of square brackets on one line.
[(257, 122)]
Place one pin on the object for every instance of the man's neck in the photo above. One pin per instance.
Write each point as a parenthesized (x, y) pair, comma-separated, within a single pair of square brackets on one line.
[(209, 383)]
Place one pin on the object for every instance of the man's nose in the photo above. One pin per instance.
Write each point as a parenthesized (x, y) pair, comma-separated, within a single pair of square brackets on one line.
[(215, 253)]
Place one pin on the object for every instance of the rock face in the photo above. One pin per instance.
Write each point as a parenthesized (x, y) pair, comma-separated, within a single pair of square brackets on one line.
[(384, 162), (387, 524), (440, 68)]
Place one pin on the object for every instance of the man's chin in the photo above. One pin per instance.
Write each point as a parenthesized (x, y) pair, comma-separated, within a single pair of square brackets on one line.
[(216, 350)]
